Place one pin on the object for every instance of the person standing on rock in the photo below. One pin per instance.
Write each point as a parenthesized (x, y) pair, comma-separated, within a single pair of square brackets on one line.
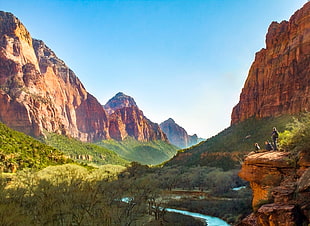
[(274, 136)]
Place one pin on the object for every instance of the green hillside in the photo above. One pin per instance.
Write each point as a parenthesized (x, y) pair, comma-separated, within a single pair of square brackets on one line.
[(83, 152), (228, 148), (18, 151), (152, 153)]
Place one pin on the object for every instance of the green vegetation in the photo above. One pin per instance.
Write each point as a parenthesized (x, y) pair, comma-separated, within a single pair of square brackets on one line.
[(18, 151), (227, 149), (151, 153), (83, 152), (296, 137), (72, 195)]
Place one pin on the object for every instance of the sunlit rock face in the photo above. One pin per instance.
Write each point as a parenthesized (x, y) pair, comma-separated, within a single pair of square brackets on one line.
[(38, 92), (127, 120), (281, 188), (279, 78)]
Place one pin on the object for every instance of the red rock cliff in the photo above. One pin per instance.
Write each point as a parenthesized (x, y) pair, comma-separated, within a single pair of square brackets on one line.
[(39, 92), (279, 78), (281, 188), (126, 119)]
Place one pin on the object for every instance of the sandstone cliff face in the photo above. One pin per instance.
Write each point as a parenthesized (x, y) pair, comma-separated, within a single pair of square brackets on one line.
[(281, 188), (279, 78), (39, 92), (126, 119), (177, 135)]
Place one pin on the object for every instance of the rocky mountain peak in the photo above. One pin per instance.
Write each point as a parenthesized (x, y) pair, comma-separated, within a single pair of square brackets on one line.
[(177, 135), (279, 78), (120, 100)]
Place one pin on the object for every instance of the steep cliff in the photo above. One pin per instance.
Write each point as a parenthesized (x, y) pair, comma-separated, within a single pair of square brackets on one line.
[(38, 92), (177, 135), (279, 78), (281, 188), (126, 119)]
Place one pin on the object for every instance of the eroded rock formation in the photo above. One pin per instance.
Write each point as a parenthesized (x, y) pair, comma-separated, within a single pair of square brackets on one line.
[(126, 119), (279, 78), (281, 188), (38, 92)]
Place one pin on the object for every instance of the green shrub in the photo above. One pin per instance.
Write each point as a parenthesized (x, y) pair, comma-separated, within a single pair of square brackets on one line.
[(296, 137)]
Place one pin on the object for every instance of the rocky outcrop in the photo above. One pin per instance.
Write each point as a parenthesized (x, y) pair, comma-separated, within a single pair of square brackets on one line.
[(178, 135), (281, 188), (279, 78), (38, 92)]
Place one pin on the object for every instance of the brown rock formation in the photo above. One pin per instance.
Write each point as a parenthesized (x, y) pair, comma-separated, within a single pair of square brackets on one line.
[(279, 78), (126, 119), (39, 92), (130, 121), (178, 135), (280, 185), (120, 100)]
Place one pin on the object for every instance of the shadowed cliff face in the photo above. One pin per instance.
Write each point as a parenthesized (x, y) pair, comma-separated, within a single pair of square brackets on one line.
[(39, 92), (281, 188), (279, 78), (178, 135)]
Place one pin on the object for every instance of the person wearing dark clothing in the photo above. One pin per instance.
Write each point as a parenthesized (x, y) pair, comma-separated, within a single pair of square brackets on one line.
[(257, 148), (268, 146), (274, 136)]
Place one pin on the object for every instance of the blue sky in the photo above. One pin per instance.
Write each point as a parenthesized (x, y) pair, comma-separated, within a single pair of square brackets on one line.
[(184, 59)]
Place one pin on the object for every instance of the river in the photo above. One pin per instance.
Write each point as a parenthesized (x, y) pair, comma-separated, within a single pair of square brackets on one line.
[(210, 221)]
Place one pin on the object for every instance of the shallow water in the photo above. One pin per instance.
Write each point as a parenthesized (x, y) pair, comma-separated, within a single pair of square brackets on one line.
[(210, 221)]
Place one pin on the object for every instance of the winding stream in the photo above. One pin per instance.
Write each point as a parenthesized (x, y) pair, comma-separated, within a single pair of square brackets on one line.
[(210, 221)]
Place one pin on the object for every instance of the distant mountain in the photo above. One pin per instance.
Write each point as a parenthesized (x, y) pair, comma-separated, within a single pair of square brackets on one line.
[(127, 120), (177, 135)]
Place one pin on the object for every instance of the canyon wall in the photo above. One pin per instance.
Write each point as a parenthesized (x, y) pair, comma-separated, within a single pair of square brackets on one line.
[(279, 78)]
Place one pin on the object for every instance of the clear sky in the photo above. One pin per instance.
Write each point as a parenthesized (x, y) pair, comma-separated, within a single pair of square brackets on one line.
[(184, 59)]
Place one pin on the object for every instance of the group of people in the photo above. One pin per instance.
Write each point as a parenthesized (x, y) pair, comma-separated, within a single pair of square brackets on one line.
[(268, 145)]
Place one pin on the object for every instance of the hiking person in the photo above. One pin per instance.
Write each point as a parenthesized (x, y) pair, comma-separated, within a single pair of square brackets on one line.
[(274, 136), (257, 148), (268, 146)]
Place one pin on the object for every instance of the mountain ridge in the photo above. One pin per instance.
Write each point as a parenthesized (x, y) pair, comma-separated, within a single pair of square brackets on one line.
[(39, 93), (177, 135)]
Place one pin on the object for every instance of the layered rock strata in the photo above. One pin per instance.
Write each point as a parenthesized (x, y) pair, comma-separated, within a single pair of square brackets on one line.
[(126, 119), (279, 78), (38, 92), (281, 188)]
